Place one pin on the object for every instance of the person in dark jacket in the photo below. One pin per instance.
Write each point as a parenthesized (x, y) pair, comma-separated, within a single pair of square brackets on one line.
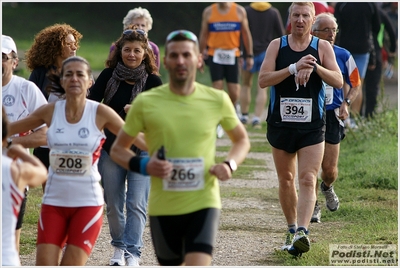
[(132, 70), (265, 24), (374, 71), (357, 23)]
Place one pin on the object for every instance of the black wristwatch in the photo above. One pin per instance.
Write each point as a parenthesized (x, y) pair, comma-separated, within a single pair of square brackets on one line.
[(231, 164), (249, 56), (348, 102)]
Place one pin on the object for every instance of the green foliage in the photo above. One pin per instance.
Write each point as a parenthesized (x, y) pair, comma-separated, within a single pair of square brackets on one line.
[(368, 156)]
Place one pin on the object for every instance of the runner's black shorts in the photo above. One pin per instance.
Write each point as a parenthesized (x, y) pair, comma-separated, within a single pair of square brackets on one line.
[(334, 131), (175, 236), (221, 71), (291, 139)]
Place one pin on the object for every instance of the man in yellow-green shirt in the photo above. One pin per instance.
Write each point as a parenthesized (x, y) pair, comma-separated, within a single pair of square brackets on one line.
[(184, 202)]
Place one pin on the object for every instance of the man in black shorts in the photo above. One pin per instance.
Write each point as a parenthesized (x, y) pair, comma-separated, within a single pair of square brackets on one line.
[(337, 109), (222, 25), (294, 67), (184, 201)]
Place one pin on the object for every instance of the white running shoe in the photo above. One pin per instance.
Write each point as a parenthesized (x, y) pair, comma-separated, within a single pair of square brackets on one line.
[(118, 259), (131, 260)]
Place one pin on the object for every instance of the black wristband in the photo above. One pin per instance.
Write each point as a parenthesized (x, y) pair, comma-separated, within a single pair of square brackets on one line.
[(315, 67), (249, 56), (134, 164)]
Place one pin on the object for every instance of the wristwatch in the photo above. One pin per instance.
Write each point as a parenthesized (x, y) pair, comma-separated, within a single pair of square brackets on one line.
[(348, 102), (231, 164)]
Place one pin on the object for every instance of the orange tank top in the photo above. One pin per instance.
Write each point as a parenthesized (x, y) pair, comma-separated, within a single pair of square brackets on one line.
[(224, 30)]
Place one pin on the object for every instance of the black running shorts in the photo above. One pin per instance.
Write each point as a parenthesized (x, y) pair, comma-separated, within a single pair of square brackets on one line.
[(220, 72), (175, 236), (334, 131), (291, 139)]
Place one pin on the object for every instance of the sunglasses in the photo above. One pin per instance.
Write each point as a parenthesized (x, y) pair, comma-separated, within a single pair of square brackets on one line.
[(182, 33), (139, 31), (5, 58)]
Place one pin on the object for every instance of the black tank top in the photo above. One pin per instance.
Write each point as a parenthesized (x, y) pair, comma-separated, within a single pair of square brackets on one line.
[(301, 109)]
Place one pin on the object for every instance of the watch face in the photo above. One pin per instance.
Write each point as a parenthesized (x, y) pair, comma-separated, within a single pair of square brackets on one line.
[(233, 164)]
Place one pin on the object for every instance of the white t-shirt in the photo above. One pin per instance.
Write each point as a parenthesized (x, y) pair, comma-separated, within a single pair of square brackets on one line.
[(20, 98)]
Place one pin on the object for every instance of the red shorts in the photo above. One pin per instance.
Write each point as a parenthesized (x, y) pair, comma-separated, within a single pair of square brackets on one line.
[(78, 226)]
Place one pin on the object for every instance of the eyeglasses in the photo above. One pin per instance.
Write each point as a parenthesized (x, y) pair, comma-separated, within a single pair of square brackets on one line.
[(327, 30), (184, 33), (139, 31), (5, 58)]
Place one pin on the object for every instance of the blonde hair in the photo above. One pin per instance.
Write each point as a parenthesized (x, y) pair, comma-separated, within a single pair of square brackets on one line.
[(310, 4)]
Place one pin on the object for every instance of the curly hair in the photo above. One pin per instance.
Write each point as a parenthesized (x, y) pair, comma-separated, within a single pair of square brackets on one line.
[(49, 44), (149, 60)]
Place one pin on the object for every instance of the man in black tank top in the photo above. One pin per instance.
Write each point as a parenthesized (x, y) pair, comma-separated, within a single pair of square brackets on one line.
[(293, 68)]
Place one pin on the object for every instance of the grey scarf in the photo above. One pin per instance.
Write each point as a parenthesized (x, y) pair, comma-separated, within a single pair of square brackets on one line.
[(122, 73)]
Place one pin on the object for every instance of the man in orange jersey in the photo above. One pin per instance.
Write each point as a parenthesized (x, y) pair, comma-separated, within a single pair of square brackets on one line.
[(222, 25)]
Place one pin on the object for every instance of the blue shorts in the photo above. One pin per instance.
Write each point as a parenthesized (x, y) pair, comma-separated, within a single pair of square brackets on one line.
[(258, 60), (362, 63)]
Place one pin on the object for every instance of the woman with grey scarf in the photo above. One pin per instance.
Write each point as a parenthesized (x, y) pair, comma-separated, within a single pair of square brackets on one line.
[(132, 69)]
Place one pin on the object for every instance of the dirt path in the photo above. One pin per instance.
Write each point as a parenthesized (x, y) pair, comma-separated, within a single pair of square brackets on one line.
[(242, 236)]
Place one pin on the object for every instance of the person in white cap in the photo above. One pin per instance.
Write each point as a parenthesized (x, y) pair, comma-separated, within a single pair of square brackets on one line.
[(20, 98)]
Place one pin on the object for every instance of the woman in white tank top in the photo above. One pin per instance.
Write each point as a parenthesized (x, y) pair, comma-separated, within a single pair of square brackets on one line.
[(73, 193)]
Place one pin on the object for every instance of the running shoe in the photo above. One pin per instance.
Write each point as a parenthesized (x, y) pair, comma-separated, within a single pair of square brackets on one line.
[(256, 124), (244, 119), (118, 259), (332, 201), (289, 239), (131, 260), (301, 244), (316, 216), (350, 123)]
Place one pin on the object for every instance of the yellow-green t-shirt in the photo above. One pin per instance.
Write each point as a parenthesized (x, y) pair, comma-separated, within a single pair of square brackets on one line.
[(186, 126)]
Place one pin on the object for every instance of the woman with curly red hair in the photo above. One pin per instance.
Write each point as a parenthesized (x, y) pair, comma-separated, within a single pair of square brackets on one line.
[(51, 46)]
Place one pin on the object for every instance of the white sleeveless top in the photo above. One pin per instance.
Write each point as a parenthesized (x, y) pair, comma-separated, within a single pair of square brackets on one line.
[(11, 203), (73, 179)]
